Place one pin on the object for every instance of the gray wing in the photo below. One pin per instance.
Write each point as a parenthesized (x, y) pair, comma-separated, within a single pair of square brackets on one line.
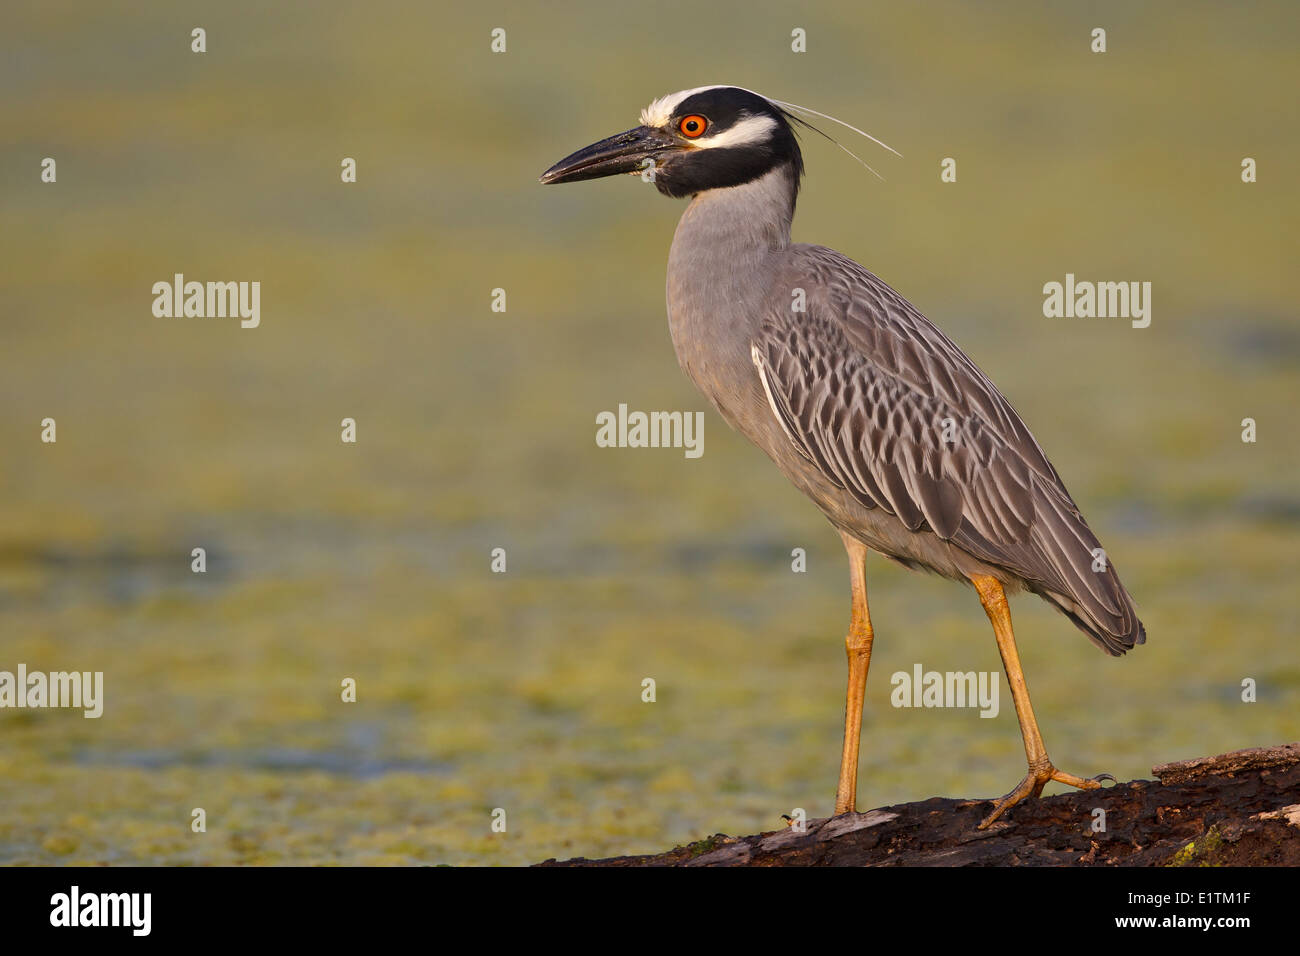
[(890, 410)]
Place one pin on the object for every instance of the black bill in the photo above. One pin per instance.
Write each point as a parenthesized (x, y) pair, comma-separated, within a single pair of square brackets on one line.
[(625, 153)]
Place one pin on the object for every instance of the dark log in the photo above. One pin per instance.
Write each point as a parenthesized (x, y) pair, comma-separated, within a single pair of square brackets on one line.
[(1236, 809)]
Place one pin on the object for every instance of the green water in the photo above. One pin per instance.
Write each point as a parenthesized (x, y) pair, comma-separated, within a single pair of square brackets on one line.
[(522, 690)]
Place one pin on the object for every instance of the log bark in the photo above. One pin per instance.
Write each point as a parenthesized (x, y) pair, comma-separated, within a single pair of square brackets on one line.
[(1236, 809)]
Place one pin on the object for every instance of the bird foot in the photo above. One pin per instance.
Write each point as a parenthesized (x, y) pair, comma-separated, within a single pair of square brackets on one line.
[(1033, 783)]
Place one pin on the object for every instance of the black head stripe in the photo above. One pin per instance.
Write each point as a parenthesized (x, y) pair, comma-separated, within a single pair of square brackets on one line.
[(697, 170), (725, 106)]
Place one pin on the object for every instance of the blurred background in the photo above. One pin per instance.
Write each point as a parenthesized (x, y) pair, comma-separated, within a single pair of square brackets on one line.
[(476, 429)]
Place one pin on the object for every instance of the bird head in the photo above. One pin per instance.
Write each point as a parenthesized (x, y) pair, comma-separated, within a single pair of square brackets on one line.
[(711, 137)]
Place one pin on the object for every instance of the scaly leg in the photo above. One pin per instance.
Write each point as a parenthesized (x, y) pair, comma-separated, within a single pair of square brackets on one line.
[(1041, 770), (858, 646)]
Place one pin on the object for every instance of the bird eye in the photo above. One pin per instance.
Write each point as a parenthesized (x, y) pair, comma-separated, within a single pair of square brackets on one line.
[(693, 125)]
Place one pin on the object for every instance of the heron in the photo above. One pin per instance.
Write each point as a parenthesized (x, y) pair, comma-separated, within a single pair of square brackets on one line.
[(867, 407)]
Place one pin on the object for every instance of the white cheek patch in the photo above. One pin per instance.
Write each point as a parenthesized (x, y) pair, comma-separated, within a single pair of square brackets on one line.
[(751, 129), (660, 111)]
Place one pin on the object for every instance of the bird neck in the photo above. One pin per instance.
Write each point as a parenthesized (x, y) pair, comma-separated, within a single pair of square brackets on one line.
[(719, 270), (752, 217)]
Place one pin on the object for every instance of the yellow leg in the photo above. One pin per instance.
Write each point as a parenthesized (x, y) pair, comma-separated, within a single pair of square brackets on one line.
[(858, 646), (1041, 770)]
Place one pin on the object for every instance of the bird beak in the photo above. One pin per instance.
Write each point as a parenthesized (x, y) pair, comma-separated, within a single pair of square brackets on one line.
[(629, 152)]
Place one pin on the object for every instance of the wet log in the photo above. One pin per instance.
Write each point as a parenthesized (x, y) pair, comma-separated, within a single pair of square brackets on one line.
[(1235, 809)]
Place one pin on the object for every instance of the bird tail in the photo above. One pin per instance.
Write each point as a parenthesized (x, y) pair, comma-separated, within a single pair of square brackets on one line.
[(1087, 588), (1114, 642)]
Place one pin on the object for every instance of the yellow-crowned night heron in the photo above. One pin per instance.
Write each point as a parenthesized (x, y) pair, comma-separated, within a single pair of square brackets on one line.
[(866, 406)]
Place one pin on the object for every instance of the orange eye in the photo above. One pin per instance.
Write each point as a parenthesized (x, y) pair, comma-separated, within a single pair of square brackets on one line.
[(693, 125)]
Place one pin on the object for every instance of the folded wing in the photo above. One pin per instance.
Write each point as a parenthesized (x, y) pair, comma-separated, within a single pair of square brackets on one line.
[(890, 410)]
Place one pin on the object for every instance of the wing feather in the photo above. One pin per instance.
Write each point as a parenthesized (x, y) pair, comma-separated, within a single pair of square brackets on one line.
[(894, 413)]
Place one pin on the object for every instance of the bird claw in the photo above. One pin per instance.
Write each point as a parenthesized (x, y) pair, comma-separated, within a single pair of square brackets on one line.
[(1033, 783)]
